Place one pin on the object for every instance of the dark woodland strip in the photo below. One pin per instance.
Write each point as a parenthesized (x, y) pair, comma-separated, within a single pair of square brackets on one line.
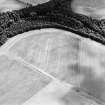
[(53, 14)]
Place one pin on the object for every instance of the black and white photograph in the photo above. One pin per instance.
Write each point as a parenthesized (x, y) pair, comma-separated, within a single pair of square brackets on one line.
[(52, 52)]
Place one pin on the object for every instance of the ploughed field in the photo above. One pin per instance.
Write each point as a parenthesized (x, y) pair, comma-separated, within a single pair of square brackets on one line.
[(52, 67)]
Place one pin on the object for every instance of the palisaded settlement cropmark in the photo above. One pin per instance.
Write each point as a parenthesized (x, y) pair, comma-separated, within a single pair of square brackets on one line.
[(62, 57)]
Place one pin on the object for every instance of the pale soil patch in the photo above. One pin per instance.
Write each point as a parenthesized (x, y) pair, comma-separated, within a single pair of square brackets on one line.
[(60, 56), (34, 2), (9, 5), (49, 51), (18, 82), (50, 95)]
